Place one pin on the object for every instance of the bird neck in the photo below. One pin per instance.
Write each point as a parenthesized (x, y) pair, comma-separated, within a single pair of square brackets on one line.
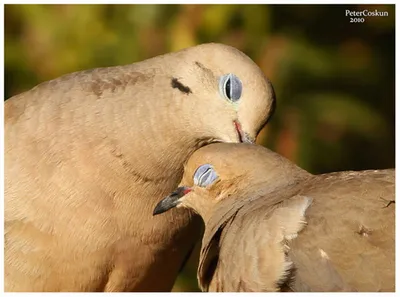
[(243, 192)]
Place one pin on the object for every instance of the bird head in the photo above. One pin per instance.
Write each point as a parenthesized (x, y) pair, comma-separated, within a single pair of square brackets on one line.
[(219, 171), (222, 94)]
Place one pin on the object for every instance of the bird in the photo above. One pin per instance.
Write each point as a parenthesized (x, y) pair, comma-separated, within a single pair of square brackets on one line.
[(88, 155), (271, 226)]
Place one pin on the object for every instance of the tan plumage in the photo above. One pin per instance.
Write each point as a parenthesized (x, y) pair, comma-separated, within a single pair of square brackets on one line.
[(88, 155), (271, 226)]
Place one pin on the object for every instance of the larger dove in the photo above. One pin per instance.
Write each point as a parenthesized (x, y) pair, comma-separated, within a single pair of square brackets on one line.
[(88, 155)]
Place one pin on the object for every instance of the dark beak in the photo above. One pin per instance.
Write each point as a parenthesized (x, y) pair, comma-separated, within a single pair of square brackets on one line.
[(243, 136), (171, 201)]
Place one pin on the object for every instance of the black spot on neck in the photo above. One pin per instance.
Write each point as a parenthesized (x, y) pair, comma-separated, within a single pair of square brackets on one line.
[(176, 84)]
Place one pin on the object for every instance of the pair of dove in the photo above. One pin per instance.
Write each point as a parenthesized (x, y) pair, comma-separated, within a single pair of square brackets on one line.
[(89, 155)]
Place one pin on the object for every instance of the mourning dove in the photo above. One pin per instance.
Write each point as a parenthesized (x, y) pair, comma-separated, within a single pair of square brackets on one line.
[(88, 156), (272, 226)]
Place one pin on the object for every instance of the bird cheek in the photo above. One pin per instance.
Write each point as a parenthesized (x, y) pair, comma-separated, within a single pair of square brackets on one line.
[(186, 202), (225, 127), (225, 133), (234, 135)]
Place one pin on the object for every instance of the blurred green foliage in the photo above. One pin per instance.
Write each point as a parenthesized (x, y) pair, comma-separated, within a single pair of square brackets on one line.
[(334, 79)]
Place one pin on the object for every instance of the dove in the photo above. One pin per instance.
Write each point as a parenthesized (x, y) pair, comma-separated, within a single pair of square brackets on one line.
[(88, 155), (272, 226)]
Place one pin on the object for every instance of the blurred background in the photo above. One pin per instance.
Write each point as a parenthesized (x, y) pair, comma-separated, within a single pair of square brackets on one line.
[(334, 80)]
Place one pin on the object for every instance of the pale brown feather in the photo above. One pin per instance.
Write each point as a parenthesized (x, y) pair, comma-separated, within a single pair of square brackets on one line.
[(88, 155), (271, 226)]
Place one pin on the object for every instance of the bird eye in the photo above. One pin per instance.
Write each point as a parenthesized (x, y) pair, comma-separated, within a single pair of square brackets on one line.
[(204, 175), (230, 87)]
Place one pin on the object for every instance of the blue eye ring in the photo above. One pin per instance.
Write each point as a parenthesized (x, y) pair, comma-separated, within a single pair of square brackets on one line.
[(230, 87), (205, 175)]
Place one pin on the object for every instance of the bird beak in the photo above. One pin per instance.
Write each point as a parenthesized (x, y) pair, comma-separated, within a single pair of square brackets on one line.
[(243, 136), (171, 200)]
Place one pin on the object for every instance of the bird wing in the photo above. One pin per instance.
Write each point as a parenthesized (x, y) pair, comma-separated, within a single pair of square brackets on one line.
[(349, 241)]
